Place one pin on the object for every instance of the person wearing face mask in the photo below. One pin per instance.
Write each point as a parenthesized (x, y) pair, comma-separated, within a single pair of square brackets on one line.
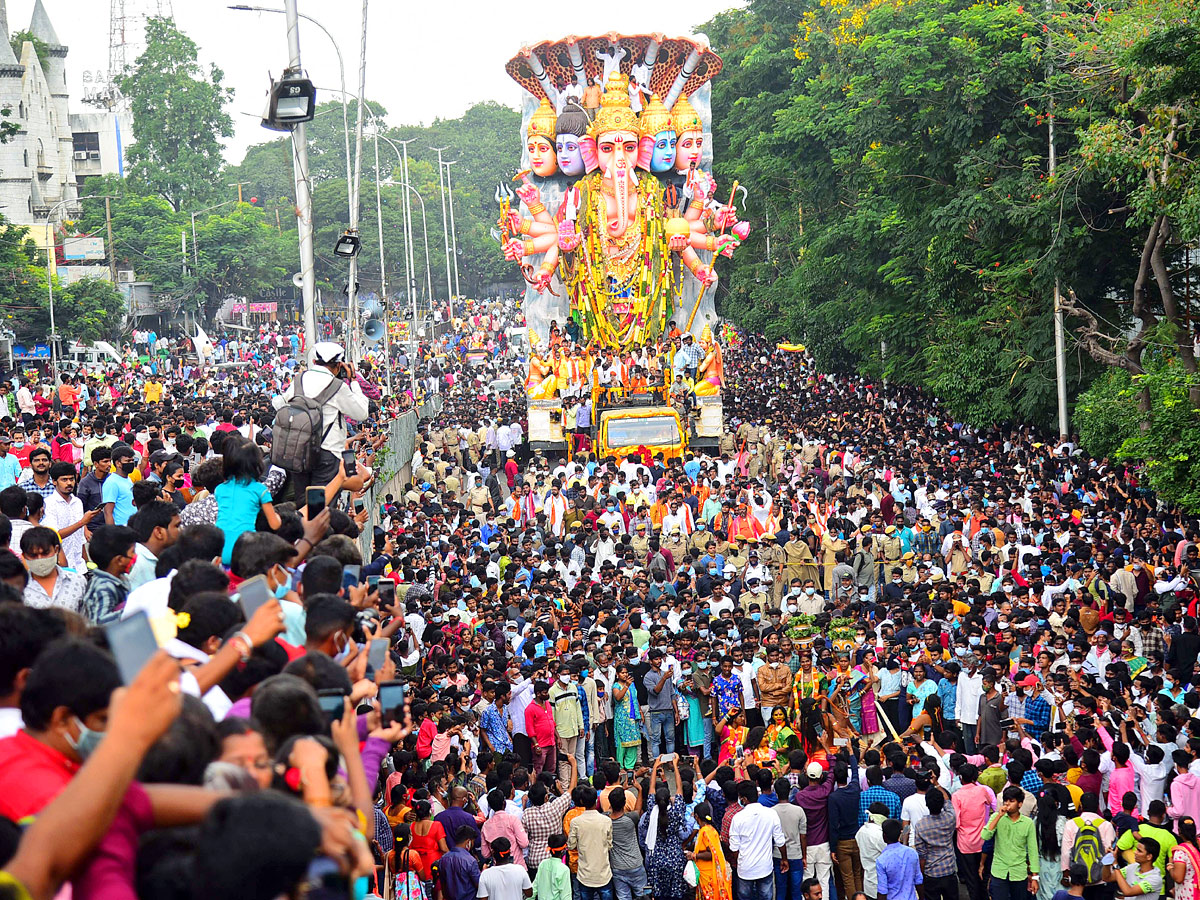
[(65, 704), (64, 513), (810, 601), (49, 584), (113, 553), (263, 553), (116, 497), (568, 714)]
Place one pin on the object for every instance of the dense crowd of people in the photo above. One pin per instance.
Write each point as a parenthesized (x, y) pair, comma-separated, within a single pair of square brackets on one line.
[(862, 650)]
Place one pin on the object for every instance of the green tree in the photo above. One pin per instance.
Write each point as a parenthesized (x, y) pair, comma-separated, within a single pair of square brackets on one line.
[(179, 119), (24, 304), (238, 250), (914, 231), (485, 140), (90, 309), (40, 47)]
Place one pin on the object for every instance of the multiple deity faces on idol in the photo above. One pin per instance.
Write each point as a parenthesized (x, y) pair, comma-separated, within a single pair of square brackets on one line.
[(667, 140)]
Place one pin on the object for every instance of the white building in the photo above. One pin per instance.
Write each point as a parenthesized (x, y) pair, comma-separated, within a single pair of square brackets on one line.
[(37, 166), (99, 142)]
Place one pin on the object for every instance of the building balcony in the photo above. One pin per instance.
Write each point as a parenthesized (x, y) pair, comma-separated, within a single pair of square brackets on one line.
[(44, 172)]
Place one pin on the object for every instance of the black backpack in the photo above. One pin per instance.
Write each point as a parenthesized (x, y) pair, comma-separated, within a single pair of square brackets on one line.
[(297, 435)]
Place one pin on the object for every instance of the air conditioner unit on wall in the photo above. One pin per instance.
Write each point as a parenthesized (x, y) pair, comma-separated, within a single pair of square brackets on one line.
[(81, 154), (93, 154), (125, 276)]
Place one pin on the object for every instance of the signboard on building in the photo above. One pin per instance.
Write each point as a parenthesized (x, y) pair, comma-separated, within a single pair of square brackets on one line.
[(267, 307), (72, 274), (77, 248)]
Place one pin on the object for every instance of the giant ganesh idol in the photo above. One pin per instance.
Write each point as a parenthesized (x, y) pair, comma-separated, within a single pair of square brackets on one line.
[(620, 220)]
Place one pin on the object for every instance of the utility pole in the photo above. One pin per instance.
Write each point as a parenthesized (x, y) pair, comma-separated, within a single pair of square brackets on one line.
[(352, 287), (445, 234), (304, 222), (112, 260), (239, 187), (1060, 340), (453, 236)]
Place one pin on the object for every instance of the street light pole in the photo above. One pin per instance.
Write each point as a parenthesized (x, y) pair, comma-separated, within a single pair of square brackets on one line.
[(428, 270), (387, 306), (50, 278), (304, 223), (412, 253), (402, 158), (453, 236), (242, 7), (352, 286), (445, 234)]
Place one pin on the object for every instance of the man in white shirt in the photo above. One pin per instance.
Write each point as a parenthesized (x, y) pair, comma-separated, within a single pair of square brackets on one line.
[(753, 834), (329, 365), (870, 845), (506, 880), (64, 513), (969, 690)]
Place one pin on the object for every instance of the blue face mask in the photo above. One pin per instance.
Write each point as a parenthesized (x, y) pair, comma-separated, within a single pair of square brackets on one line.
[(702, 664), (87, 742), (755, 617), (974, 640), (712, 571), (282, 590), (733, 634)]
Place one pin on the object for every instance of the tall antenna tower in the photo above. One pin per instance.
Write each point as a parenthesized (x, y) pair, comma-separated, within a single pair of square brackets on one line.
[(126, 42)]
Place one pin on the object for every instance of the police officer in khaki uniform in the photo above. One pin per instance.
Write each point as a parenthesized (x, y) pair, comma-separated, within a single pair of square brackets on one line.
[(748, 435), (908, 567), (699, 537), (754, 464), (474, 445), (799, 562), (728, 444), (775, 453), (770, 554), (736, 554), (673, 542), (889, 550), (640, 542)]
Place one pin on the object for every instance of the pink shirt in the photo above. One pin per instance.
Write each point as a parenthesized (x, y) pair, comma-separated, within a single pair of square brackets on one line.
[(1120, 780), (539, 725), (973, 803), (504, 824)]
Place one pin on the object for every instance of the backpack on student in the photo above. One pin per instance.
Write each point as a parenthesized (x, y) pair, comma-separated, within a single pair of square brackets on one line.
[(1088, 849), (297, 434)]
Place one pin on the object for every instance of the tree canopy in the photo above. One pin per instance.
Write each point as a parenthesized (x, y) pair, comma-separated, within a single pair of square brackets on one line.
[(179, 119), (485, 142)]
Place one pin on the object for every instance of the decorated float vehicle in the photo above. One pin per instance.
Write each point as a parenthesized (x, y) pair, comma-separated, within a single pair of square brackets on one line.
[(615, 228)]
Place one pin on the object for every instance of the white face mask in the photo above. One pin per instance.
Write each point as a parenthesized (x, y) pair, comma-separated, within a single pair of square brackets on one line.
[(565, 679)]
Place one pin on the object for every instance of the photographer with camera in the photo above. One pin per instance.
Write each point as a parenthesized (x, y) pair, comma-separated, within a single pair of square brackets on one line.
[(310, 430)]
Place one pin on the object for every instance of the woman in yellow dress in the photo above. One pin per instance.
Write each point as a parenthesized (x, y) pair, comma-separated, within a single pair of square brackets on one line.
[(715, 881)]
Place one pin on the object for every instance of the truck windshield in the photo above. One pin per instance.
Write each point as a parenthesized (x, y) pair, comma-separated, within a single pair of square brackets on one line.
[(648, 430)]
